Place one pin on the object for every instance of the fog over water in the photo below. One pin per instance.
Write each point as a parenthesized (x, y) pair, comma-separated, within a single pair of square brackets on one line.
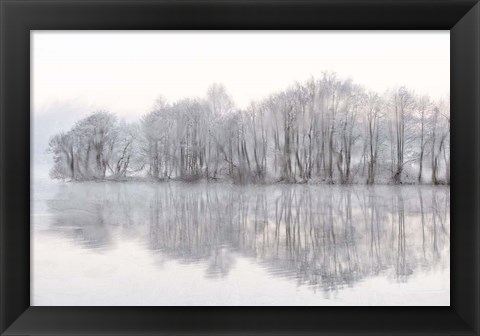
[(139, 243)]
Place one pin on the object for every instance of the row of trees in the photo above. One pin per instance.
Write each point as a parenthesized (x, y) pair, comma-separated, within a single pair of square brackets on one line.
[(323, 130)]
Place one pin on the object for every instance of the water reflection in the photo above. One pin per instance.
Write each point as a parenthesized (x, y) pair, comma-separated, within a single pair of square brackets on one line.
[(326, 237)]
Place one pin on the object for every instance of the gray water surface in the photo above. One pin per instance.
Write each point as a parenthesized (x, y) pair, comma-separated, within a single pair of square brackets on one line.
[(138, 243)]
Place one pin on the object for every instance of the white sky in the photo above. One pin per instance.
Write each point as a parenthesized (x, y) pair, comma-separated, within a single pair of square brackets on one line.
[(125, 71)]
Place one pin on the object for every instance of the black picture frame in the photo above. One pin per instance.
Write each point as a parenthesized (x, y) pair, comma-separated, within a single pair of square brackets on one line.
[(18, 17)]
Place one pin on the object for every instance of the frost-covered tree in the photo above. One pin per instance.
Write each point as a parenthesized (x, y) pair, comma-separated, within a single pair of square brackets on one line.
[(96, 147)]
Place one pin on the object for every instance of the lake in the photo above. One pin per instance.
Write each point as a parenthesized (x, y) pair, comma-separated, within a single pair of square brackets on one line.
[(140, 243)]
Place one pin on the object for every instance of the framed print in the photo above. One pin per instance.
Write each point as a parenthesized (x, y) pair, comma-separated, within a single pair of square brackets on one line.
[(239, 167), (238, 186)]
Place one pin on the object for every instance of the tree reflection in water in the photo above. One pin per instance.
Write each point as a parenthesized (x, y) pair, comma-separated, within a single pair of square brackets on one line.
[(326, 237)]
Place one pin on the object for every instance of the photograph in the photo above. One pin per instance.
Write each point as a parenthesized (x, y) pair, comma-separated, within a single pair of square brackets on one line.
[(240, 168)]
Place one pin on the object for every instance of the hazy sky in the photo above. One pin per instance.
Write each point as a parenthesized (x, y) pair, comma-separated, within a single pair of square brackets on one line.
[(125, 71)]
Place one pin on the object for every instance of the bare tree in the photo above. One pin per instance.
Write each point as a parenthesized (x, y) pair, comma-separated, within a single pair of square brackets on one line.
[(373, 115), (423, 108), (401, 106)]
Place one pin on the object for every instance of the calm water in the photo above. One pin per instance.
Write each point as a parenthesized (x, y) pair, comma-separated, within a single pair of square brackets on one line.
[(219, 244)]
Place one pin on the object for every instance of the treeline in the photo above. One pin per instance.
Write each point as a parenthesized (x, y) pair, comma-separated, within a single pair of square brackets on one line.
[(328, 130)]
